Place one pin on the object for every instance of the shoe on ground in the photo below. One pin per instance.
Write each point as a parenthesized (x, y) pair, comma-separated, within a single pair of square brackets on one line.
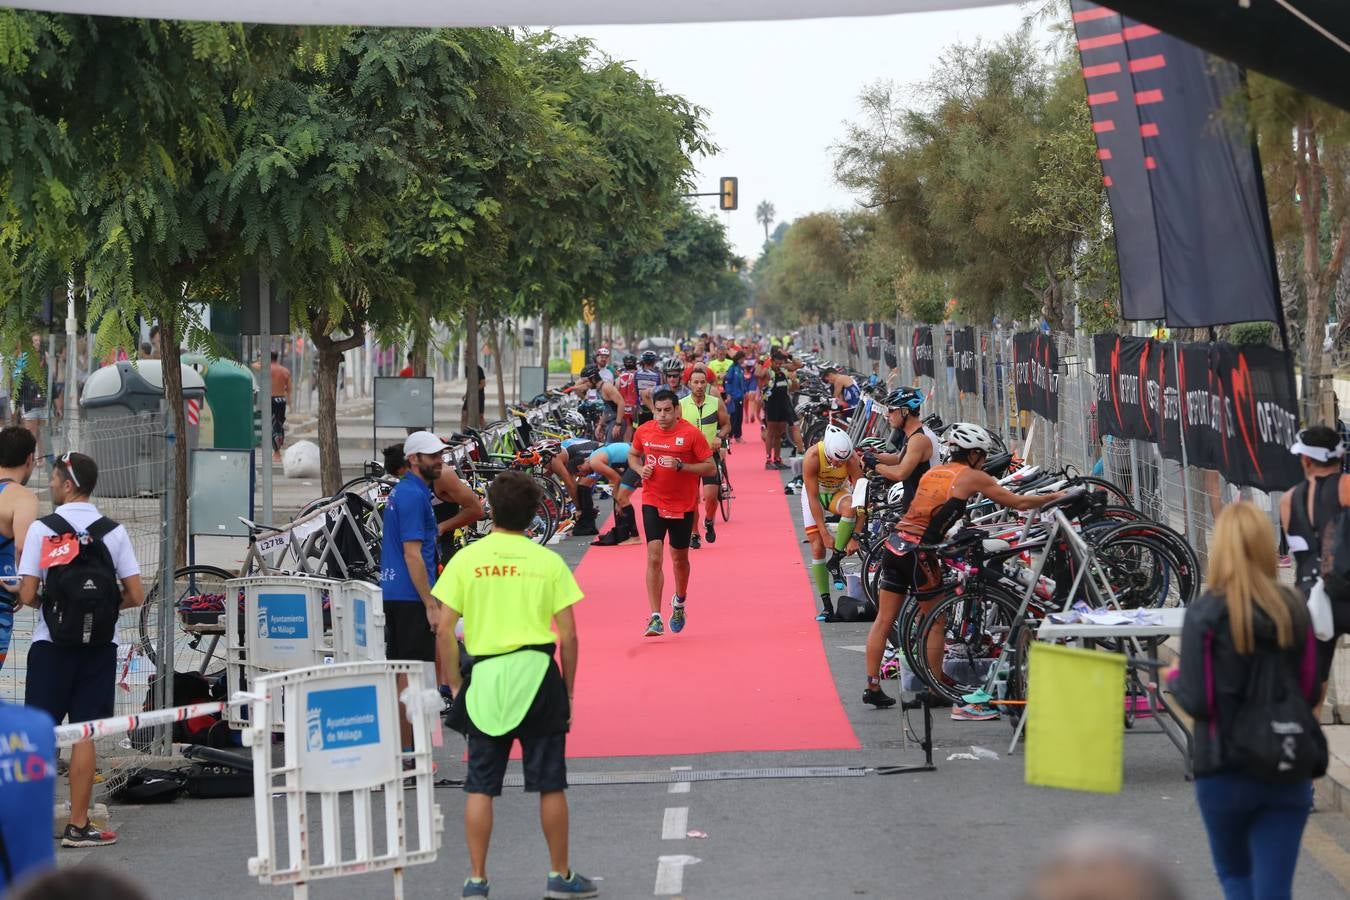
[(585, 528), (573, 884), (88, 836), (694, 542), (974, 712), (827, 615), (608, 539), (709, 531), (676, 617), (878, 698), (768, 464), (473, 889), (654, 626), (779, 464)]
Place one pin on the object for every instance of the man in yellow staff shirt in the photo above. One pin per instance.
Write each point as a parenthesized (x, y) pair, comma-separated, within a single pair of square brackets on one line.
[(511, 594)]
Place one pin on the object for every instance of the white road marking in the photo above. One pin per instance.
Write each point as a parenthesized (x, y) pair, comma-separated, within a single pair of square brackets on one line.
[(675, 823), (670, 874), (680, 787), (856, 648)]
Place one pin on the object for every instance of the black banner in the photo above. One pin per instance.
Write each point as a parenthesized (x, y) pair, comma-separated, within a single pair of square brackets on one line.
[(922, 345), (1181, 174), (1036, 374), (1232, 409), (873, 331), (888, 346), (852, 339), (967, 360)]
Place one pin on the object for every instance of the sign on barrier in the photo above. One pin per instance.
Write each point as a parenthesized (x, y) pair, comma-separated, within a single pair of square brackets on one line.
[(277, 625), (342, 743), (358, 622)]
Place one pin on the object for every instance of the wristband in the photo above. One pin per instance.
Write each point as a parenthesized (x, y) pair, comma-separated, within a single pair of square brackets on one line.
[(679, 465)]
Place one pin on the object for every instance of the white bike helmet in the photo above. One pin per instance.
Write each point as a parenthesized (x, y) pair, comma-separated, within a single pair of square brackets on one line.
[(966, 436), (838, 445), (896, 494)]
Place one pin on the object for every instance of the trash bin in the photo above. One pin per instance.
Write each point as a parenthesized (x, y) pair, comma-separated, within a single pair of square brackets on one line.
[(227, 420), (125, 435)]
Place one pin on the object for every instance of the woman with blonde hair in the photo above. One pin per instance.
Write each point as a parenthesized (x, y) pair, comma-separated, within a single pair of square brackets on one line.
[(1246, 618)]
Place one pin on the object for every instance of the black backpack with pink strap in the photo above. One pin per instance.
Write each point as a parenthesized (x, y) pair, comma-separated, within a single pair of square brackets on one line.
[(81, 596)]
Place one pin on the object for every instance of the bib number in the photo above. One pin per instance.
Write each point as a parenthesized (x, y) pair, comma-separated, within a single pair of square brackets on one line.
[(59, 550)]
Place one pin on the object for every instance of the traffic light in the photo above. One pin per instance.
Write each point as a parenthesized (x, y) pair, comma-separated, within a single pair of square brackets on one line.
[(729, 196)]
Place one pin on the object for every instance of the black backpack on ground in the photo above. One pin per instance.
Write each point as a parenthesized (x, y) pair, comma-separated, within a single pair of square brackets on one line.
[(81, 598), (1274, 735)]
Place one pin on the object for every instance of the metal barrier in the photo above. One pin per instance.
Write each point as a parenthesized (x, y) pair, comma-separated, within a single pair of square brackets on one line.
[(342, 742)]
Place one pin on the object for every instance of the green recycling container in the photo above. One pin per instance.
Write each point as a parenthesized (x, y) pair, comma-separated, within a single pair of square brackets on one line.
[(229, 400)]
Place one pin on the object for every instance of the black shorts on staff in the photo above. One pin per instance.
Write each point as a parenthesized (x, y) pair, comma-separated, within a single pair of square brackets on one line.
[(655, 528)]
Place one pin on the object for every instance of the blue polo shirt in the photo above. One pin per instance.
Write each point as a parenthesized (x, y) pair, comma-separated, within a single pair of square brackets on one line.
[(407, 517)]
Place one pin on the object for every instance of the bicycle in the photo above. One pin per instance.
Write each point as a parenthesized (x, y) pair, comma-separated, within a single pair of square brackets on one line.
[(724, 494)]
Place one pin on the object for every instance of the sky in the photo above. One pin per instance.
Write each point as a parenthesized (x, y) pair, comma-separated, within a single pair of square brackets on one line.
[(778, 94)]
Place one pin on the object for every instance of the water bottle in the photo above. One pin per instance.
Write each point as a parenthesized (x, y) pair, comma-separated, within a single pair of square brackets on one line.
[(1045, 587)]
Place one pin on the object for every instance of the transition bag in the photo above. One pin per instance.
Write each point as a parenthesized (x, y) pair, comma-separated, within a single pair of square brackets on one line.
[(81, 596), (1274, 735)]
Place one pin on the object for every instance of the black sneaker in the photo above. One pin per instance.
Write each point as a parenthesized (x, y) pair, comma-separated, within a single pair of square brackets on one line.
[(780, 465), (935, 701), (585, 528), (709, 532), (878, 698), (768, 464), (88, 836), (694, 542)]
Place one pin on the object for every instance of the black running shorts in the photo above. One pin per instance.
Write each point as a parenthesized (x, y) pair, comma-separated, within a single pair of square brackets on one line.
[(905, 568), (407, 635), (778, 408), (543, 758), (655, 528)]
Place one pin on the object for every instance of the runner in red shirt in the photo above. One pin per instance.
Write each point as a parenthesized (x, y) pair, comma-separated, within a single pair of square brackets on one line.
[(672, 455), (626, 382)]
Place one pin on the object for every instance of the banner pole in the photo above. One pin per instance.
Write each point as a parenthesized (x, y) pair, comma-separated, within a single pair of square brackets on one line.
[(1185, 462)]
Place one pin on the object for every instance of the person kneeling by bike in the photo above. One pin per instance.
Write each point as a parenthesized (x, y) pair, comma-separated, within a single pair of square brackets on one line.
[(829, 472), (611, 463), (910, 565)]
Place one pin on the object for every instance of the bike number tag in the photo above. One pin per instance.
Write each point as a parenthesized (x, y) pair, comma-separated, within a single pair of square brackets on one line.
[(58, 550)]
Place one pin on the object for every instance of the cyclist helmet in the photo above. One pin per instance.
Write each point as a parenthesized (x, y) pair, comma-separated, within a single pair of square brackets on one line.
[(590, 372), (966, 436), (649, 358), (574, 419), (630, 361), (896, 493), (673, 367), (549, 447), (838, 445), (905, 398)]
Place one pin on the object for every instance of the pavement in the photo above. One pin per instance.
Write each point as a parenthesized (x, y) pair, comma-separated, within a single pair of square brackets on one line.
[(971, 829)]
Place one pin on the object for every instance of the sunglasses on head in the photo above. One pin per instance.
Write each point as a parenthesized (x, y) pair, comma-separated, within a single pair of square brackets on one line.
[(70, 471)]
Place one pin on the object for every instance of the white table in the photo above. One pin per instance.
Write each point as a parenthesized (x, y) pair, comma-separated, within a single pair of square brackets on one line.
[(1167, 622)]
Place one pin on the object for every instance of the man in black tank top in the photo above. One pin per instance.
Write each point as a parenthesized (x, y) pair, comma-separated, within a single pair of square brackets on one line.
[(1305, 513), (917, 452)]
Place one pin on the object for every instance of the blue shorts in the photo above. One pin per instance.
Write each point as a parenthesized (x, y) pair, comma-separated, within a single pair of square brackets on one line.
[(79, 682)]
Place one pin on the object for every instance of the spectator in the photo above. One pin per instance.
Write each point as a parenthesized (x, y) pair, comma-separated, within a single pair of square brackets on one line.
[(73, 674), (80, 883), (1102, 865), (31, 373), (18, 510), (27, 745), (1245, 618), (1305, 518), (408, 562), (282, 392), (735, 382), (407, 371), (155, 350), (511, 594)]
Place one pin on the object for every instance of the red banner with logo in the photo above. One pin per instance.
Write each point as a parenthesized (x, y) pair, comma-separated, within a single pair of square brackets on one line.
[(1233, 409)]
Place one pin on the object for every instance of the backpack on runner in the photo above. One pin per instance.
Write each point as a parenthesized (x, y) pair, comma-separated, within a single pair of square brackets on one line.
[(1274, 735), (81, 595)]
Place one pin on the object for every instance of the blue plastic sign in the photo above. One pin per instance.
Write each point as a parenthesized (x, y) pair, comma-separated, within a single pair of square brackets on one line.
[(283, 617), (359, 614), (342, 718)]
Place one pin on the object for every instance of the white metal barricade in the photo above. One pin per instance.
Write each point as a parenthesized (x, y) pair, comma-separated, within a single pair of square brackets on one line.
[(275, 624), (358, 622), (342, 749)]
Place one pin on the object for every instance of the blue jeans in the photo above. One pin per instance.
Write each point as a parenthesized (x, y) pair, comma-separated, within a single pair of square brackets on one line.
[(1255, 828)]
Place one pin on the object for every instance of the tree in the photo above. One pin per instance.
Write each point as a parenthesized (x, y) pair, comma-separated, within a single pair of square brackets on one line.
[(764, 214)]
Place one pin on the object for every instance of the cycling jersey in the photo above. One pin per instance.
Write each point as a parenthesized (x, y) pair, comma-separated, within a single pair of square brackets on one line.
[(851, 395), (626, 382), (832, 477), (616, 454), (703, 417), (930, 510)]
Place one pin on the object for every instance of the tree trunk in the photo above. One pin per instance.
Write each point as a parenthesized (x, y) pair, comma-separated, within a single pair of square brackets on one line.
[(329, 354), (421, 337), (544, 338), (171, 366), (473, 413), (495, 341), (1319, 398)]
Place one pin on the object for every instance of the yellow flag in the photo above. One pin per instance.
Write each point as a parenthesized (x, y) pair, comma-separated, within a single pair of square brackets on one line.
[(1076, 718)]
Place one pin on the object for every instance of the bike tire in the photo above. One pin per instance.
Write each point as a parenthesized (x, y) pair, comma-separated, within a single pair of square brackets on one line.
[(724, 491), (188, 580), (975, 626)]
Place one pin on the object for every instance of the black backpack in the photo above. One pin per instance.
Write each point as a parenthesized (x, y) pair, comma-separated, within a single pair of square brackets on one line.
[(1274, 735), (81, 598)]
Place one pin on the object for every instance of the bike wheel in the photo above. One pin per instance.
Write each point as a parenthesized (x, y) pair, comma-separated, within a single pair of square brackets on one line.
[(724, 491), (199, 598), (975, 627), (1117, 497)]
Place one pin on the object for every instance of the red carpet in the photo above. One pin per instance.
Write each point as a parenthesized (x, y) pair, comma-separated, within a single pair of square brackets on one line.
[(747, 673)]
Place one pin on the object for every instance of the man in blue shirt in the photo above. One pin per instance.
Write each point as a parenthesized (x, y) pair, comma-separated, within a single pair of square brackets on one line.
[(408, 561)]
